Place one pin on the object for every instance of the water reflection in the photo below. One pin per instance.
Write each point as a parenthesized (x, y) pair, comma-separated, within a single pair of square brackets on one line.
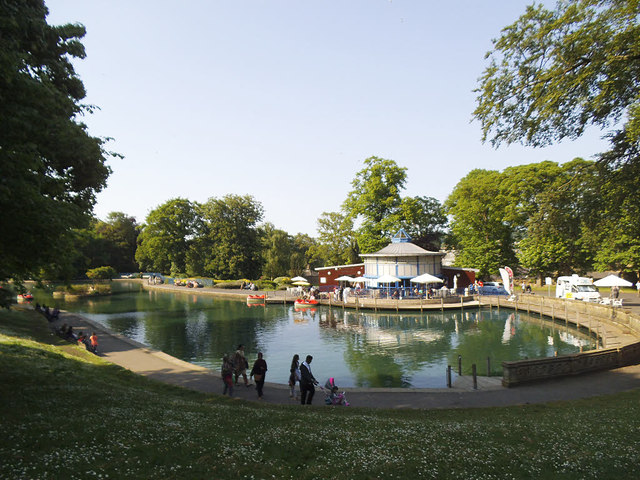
[(384, 349)]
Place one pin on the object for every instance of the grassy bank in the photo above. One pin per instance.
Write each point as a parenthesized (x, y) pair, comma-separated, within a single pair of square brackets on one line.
[(65, 413)]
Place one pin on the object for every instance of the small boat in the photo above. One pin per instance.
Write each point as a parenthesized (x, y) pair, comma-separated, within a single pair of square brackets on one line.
[(306, 303), (25, 297), (256, 297)]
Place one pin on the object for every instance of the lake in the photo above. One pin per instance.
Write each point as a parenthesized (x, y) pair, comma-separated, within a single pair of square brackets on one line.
[(359, 349)]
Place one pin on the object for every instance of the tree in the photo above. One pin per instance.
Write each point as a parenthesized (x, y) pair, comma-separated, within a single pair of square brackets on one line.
[(277, 251), (232, 234), (424, 220), (553, 73), (375, 201), (478, 226), (50, 167), (101, 273), (121, 234), (167, 236), (337, 243)]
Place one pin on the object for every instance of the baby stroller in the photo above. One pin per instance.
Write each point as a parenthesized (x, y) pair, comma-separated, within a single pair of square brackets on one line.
[(332, 395)]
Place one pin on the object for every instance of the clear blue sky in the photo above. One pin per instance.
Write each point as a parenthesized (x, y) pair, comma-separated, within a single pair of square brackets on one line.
[(283, 99)]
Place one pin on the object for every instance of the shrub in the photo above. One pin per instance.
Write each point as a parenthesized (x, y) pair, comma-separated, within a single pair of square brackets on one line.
[(102, 273)]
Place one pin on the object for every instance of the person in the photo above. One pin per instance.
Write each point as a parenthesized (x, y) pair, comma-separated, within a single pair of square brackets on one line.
[(227, 375), (294, 376), (258, 373), (94, 342), (307, 382), (638, 287), (82, 338), (240, 365)]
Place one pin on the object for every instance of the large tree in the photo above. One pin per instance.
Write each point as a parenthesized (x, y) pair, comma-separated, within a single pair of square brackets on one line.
[(552, 74), (168, 235), (50, 167), (375, 201), (231, 224), (336, 243)]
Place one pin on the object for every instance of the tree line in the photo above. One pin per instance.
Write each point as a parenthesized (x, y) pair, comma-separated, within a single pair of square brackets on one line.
[(551, 74)]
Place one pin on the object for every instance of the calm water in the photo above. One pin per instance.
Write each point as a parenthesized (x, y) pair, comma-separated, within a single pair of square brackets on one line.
[(359, 349)]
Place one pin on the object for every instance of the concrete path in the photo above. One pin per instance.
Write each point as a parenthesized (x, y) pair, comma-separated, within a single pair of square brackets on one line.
[(490, 393)]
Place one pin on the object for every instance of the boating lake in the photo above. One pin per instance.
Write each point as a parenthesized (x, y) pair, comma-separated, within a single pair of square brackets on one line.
[(359, 349)]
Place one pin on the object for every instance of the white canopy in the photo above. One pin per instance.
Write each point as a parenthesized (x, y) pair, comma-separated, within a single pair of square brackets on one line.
[(359, 280), (301, 284), (612, 281), (299, 279), (426, 278), (387, 279), (344, 278)]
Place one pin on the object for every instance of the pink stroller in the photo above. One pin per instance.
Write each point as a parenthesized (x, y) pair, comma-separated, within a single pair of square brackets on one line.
[(332, 395)]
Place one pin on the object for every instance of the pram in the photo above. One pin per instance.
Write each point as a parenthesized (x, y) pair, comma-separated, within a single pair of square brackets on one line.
[(332, 395)]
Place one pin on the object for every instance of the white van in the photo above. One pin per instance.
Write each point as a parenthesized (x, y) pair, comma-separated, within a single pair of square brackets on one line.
[(577, 288)]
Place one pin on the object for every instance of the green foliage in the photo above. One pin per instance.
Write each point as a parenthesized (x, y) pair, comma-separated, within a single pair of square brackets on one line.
[(51, 168), (553, 72), (337, 243), (102, 273), (168, 235), (231, 237)]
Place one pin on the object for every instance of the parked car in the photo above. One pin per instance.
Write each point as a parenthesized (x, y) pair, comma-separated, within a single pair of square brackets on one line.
[(492, 290)]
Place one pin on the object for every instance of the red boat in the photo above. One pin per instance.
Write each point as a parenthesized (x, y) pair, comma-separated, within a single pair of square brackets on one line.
[(25, 297), (256, 297), (306, 303)]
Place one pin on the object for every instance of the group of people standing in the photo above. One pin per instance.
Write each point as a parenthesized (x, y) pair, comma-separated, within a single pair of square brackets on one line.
[(236, 365)]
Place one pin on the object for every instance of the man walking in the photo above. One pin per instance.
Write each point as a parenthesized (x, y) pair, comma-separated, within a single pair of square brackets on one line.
[(307, 382)]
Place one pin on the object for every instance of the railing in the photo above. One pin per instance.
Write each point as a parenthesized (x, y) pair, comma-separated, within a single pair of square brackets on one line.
[(599, 319)]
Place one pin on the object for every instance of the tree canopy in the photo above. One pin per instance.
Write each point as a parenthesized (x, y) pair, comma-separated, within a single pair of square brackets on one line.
[(50, 167), (552, 73)]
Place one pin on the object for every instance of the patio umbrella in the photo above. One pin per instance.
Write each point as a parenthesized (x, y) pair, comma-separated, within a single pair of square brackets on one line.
[(301, 284), (427, 278), (612, 281), (344, 278), (387, 279), (299, 279), (359, 280)]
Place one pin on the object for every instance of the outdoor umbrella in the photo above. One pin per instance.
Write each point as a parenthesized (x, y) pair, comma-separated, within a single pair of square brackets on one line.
[(359, 280), (426, 278), (299, 279), (612, 281), (344, 278), (301, 284), (387, 279)]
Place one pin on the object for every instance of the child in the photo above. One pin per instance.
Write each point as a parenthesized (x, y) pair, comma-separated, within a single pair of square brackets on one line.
[(94, 342)]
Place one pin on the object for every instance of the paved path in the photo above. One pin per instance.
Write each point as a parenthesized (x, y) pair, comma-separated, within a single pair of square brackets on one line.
[(160, 366)]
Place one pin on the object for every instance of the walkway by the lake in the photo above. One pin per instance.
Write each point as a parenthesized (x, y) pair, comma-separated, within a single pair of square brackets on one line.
[(490, 392)]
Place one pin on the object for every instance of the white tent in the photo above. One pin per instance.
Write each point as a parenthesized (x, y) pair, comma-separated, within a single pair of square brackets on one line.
[(298, 279), (426, 278), (612, 281)]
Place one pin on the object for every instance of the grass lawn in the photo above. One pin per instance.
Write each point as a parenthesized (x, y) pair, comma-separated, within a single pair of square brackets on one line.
[(65, 414)]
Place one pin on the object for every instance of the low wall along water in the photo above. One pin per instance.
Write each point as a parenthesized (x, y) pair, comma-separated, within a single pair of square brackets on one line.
[(618, 332)]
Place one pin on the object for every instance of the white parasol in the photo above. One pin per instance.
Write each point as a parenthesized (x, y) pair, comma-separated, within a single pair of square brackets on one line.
[(612, 281), (426, 278), (299, 279), (344, 278), (387, 279)]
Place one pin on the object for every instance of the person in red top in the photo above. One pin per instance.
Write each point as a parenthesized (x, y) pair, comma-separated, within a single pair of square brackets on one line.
[(94, 342)]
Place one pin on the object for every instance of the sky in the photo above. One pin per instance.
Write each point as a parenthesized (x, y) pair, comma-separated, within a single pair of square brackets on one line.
[(283, 100)]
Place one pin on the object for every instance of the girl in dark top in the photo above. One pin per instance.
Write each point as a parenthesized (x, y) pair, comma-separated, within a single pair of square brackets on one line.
[(295, 375)]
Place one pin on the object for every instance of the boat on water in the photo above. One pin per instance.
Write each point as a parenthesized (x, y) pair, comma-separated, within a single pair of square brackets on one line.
[(256, 297), (25, 297), (301, 302)]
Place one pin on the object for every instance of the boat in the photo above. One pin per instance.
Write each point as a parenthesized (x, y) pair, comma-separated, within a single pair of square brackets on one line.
[(256, 300), (25, 297), (306, 303), (256, 297)]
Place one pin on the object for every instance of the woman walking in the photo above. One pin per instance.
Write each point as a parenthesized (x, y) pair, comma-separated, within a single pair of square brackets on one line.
[(227, 375), (294, 376), (258, 373)]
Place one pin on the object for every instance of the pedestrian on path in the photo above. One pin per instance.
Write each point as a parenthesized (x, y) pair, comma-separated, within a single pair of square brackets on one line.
[(227, 375), (94, 342), (307, 382), (258, 373), (240, 365), (294, 375), (638, 287)]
